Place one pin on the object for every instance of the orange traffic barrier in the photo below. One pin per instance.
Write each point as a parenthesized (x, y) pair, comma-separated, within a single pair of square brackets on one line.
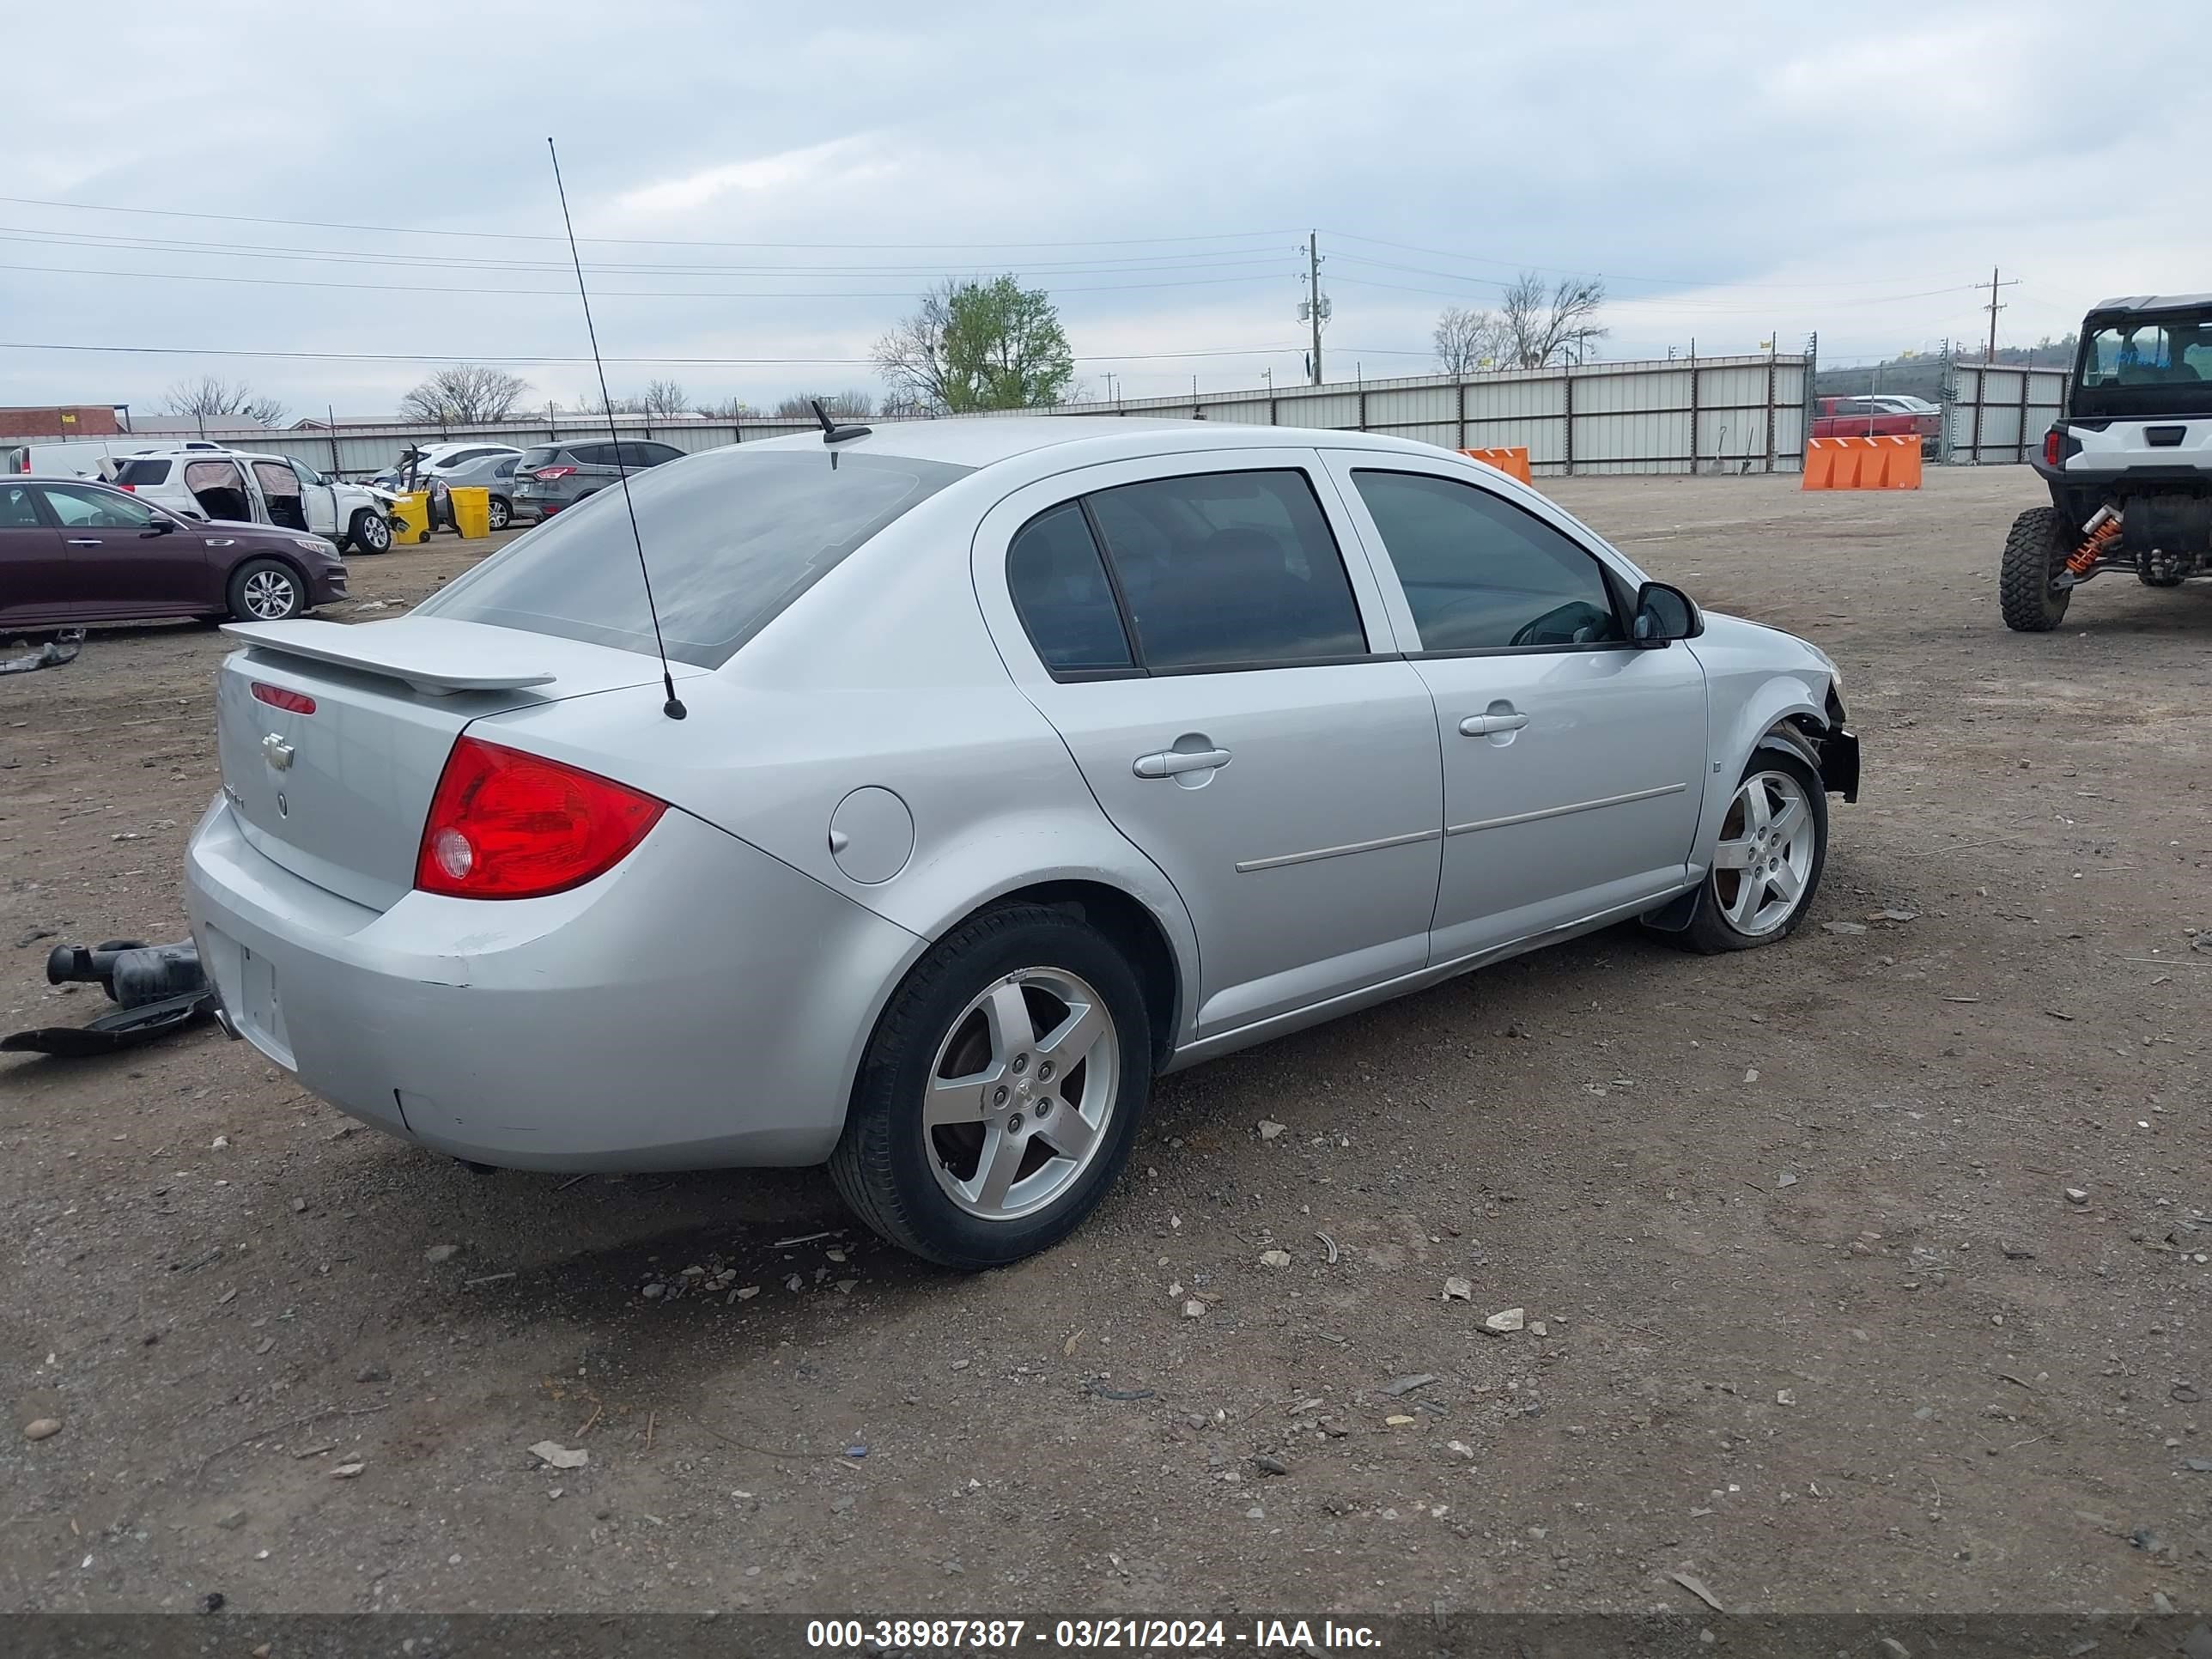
[(1514, 462), (1887, 462)]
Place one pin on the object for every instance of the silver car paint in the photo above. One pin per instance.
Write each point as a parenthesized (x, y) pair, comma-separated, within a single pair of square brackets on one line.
[(896, 672), (655, 1019)]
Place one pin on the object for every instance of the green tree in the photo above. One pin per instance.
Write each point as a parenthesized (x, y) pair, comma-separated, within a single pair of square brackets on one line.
[(974, 345)]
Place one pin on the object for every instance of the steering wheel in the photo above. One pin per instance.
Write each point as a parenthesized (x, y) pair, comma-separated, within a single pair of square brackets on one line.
[(1576, 623)]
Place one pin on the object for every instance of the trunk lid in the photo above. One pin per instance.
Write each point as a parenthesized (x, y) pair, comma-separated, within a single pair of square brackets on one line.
[(338, 795)]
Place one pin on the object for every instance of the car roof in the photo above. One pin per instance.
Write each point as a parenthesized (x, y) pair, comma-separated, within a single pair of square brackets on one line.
[(979, 441), (2154, 303)]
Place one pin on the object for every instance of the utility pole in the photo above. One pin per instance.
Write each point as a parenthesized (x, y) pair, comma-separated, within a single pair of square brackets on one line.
[(1316, 309), (1993, 308)]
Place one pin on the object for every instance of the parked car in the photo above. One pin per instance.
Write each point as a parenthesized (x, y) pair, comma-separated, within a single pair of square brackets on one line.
[(74, 550), (551, 477), (1024, 759), (1877, 417), (460, 466), (80, 458), (273, 490)]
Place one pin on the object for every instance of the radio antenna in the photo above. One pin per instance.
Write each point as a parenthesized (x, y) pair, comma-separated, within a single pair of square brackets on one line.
[(674, 707)]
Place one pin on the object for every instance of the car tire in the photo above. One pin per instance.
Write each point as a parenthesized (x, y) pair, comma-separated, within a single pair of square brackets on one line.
[(502, 513), (266, 590), (1016, 1145), (1786, 863), (2034, 553), (370, 532)]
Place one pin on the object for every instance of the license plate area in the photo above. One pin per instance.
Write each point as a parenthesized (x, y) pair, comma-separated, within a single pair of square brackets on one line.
[(248, 984)]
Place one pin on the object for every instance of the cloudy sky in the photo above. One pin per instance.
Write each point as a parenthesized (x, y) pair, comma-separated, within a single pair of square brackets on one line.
[(763, 188)]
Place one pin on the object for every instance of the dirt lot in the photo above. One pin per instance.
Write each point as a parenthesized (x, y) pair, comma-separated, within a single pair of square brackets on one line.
[(1820, 1324)]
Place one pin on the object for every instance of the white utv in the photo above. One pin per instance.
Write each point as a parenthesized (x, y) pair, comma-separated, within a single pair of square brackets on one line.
[(2128, 465)]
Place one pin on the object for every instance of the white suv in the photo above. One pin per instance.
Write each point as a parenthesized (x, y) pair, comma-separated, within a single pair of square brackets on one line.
[(235, 484)]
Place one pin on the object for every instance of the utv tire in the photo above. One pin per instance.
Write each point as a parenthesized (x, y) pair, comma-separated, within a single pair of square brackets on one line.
[(1023, 1033), (1783, 853), (2034, 553), (370, 532), (266, 590)]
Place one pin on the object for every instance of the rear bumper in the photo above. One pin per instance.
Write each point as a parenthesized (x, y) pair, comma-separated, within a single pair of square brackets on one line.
[(702, 1005)]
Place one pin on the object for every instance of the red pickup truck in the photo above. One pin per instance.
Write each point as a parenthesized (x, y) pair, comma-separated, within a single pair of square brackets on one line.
[(1881, 415)]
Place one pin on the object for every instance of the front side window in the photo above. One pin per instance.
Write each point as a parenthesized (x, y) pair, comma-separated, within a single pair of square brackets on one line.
[(1060, 588), (1482, 574), (1226, 569), (96, 509), (306, 474), (730, 542)]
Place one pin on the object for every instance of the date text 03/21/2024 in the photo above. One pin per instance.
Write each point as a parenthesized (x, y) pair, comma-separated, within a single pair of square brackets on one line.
[(1008, 1635)]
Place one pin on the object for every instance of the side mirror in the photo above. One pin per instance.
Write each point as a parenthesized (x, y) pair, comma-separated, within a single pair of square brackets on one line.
[(160, 527), (1665, 614)]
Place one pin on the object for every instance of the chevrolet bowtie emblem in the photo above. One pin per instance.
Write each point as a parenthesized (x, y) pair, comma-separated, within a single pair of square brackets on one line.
[(277, 751)]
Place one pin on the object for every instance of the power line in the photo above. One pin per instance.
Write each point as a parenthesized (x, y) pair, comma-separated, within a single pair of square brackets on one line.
[(606, 294), (1103, 265), (626, 241), (523, 361)]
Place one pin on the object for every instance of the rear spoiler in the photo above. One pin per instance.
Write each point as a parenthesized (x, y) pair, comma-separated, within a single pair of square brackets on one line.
[(434, 656)]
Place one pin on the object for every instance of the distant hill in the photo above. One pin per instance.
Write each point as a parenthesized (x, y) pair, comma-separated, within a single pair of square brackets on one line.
[(1922, 376)]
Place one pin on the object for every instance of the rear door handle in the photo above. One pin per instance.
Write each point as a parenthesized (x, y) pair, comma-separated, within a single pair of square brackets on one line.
[(86, 541), (1481, 725), (1170, 762)]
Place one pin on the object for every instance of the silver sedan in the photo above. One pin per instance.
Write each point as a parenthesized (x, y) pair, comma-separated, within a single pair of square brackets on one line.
[(1020, 761)]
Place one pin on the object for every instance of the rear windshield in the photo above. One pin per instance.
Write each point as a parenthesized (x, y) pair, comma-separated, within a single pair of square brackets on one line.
[(142, 472), (732, 536), (2155, 364), (541, 456)]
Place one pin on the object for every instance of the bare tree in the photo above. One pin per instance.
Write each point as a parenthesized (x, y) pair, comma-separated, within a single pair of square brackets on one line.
[(1466, 340), (1547, 325), (842, 406), (211, 395), (730, 409), (662, 397), (464, 394)]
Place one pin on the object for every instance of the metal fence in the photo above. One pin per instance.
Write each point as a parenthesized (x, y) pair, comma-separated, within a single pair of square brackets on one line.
[(1677, 415), (1996, 415)]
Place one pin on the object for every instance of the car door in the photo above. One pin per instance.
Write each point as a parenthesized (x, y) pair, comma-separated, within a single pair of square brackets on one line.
[(318, 499), (34, 572), (281, 497), (1194, 629), (1573, 760), (119, 557)]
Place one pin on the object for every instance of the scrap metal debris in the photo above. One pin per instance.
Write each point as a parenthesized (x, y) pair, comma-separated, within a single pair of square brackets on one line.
[(61, 648), (158, 989)]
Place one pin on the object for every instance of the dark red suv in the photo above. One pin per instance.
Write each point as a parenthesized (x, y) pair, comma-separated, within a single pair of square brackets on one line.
[(75, 551)]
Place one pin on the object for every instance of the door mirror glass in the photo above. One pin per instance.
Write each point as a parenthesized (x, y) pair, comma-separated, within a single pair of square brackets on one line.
[(160, 527), (1664, 614)]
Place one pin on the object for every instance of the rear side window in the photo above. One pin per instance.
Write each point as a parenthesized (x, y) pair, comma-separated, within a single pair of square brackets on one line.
[(730, 542), (1226, 569), (1060, 588), (142, 472), (17, 510)]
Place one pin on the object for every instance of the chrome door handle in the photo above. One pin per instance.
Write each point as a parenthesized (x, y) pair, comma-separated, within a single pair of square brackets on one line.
[(1481, 725), (1170, 762), (87, 541)]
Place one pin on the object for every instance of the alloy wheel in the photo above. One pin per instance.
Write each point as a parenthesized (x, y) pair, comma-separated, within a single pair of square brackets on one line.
[(1765, 858), (271, 595), (1021, 1093)]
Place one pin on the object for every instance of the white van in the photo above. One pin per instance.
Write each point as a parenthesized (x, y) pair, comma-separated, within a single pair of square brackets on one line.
[(236, 484), (82, 457)]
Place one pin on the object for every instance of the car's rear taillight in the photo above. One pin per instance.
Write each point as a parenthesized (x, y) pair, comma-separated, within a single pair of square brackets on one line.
[(504, 825), (549, 473), (132, 489)]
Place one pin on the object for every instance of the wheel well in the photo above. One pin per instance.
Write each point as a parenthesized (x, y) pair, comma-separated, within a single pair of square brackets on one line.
[(1134, 932)]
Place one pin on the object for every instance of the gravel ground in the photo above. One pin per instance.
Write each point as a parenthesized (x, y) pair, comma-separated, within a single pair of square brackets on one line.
[(1811, 1314)]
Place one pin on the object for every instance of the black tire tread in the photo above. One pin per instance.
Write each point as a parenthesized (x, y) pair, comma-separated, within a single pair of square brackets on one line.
[(861, 1165), (235, 586), (2034, 546)]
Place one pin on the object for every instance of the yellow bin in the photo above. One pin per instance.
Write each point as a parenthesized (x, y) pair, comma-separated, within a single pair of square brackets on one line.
[(411, 516), (472, 512)]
